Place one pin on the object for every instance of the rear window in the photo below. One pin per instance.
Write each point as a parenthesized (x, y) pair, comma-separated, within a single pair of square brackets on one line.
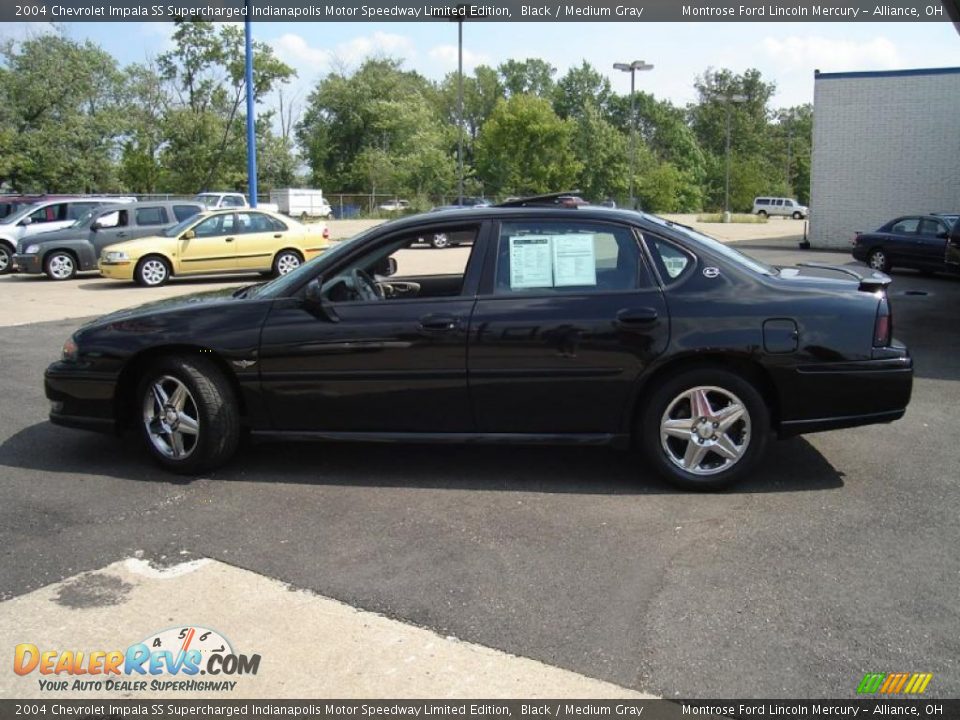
[(151, 216), (183, 212)]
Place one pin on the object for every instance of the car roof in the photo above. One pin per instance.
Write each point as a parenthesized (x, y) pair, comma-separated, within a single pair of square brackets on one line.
[(552, 212)]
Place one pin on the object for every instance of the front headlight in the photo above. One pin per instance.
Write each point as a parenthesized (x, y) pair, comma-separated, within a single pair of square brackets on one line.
[(115, 256), (69, 351), (32, 250)]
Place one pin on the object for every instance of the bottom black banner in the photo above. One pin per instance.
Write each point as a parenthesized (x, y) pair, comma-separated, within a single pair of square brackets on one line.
[(482, 709)]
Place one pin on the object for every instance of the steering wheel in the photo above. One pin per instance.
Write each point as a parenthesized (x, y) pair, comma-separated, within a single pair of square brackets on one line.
[(364, 285)]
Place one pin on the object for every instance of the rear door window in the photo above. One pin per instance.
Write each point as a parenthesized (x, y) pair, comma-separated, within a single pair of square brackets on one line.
[(906, 226), (151, 216), (931, 227), (183, 212)]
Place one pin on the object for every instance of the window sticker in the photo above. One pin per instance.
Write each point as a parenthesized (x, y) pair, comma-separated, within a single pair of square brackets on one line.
[(531, 262), (574, 260)]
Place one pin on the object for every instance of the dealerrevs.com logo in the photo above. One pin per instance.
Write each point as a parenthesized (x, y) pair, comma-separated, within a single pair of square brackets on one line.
[(894, 683), (170, 660)]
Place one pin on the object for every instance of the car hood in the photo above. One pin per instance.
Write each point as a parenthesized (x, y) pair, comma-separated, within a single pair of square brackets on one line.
[(183, 303), (70, 233)]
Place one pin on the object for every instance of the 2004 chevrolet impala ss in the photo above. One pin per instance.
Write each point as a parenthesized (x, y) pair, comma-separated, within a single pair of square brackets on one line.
[(542, 324)]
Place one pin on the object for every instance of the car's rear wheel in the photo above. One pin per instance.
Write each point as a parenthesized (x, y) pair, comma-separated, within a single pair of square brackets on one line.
[(60, 265), (188, 414), (762, 213), (705, 429), (152, 271), (286, 261), (878, 260), (440, 241), (6, 259), (797, 215)]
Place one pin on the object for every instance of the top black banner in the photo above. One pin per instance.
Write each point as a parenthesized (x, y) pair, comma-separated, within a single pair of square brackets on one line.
[(481, 11)]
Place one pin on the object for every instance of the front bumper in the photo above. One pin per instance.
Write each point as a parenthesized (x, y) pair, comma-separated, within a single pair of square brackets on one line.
[(116, 271), (829, 396), (27, 263), (80, 399)]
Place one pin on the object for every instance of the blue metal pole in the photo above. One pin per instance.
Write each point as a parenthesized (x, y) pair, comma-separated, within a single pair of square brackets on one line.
[(251, 120)]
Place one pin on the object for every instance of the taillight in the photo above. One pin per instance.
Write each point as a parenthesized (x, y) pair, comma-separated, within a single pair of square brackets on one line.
[(326, 233), (856, 238), (883, 326)]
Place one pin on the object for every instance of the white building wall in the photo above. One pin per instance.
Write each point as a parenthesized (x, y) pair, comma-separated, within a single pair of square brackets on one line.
[(884, 144)]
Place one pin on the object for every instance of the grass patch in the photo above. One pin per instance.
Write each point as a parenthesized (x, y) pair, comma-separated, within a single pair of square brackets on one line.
[(744, 218)]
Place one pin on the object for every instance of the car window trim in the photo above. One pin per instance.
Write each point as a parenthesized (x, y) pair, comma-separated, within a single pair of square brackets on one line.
[(471, 274), (487, 289), (670, 283)]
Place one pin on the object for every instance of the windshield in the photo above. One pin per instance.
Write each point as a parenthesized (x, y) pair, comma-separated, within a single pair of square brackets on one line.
[(716, 246), (180, 226), (284, 283), (208, 201)]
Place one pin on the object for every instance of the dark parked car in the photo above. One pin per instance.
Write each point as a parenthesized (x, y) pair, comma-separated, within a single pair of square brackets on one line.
[(579, 325), (62, 253), (912, 241)]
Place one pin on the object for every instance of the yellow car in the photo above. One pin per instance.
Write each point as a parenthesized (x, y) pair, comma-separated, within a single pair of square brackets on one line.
[(222, 241)]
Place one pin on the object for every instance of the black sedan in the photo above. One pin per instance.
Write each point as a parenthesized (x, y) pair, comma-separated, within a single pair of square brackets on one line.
[(913, 241), (555, 325)]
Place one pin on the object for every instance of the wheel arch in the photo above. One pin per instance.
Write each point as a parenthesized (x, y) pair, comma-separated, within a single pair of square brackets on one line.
[(289, 248), (133, 368), (741, 364)]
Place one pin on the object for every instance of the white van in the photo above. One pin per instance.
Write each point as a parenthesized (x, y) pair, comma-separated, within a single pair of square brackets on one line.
[(788, 207)]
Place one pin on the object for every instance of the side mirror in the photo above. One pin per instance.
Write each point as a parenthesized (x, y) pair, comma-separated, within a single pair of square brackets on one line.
[(188, 235), (316, 303), (26, 221), (96, 225), (386, 267)]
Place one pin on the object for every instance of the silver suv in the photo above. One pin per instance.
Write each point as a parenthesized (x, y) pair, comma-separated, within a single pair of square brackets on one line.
[(788, 207)]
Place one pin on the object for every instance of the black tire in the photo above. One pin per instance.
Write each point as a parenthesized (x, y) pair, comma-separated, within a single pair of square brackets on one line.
[(751, 433), (211, 399), (440, 241), (797, 215), (762, 213), (60, 265), (286, 261), (304, 217), (152, 271), (879, 260), (6, 259)]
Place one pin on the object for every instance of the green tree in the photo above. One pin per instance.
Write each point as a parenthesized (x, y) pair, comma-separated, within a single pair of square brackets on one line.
[(524, 148), (59, 125), (532, 76), (580, 87), (602, 152)]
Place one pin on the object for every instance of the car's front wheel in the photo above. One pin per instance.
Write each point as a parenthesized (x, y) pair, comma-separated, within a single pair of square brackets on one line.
[(878, 260), (188, 414), (60, 266), (152, 271), (762, 213), (705, 429)]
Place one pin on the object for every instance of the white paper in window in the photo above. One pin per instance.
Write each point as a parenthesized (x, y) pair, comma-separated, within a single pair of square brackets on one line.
[(574, 260), (531, 262)]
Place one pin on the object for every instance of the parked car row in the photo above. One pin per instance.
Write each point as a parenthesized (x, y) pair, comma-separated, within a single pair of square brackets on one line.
[(929, 243), (150, 242)]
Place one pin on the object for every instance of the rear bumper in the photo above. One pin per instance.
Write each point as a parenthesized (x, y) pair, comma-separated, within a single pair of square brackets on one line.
[(80, 399), (27, 263), (841, 395)]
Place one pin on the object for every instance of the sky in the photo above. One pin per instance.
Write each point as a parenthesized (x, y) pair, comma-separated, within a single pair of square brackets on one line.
[(785, 53)]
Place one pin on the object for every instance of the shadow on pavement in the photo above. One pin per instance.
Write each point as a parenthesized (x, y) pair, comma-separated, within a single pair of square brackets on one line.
[(790, 466)]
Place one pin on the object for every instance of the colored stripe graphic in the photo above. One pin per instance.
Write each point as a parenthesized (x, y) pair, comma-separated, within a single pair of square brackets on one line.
[(894, 683)]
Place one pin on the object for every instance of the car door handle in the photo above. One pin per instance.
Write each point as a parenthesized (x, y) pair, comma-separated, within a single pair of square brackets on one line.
[(121, 234), (637, 317), (438, 323), (230, 239)]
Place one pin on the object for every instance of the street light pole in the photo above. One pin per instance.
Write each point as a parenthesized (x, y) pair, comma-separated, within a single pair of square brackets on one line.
[(632, 69), (730, 100), (251, 120)]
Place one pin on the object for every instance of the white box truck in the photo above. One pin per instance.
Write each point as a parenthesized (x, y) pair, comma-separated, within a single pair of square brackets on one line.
[(301, 203)]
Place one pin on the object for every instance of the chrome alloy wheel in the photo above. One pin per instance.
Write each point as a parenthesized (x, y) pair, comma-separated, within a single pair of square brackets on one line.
[(153, 272), (878, 261), (61, 267), (171, 418), (287, 262), (705, 430)]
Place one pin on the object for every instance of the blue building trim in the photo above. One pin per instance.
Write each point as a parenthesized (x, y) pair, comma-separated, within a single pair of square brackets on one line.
[(817, 75)]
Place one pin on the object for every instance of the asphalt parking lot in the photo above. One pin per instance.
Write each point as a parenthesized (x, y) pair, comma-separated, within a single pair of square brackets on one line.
[(838, 558)]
